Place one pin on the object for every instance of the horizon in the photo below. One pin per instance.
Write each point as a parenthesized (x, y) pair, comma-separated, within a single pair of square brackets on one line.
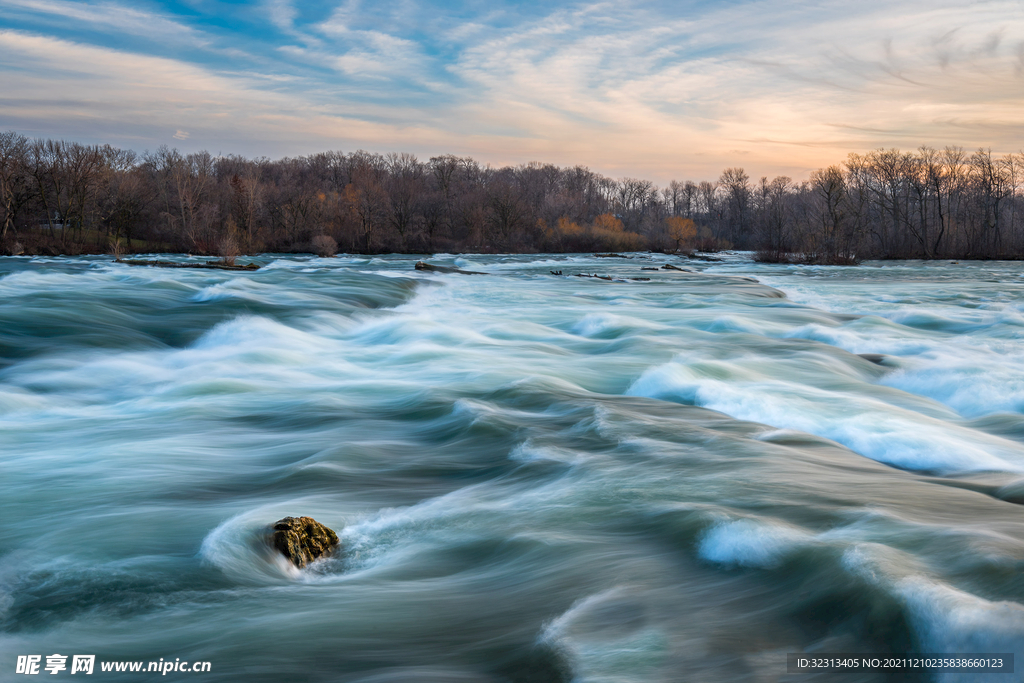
[(650, 91), (713, 177)]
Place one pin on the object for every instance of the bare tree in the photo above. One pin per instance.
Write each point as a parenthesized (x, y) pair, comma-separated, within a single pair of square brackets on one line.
[(882, 204), (124, 193), (403, 187), (14, 175), (507, 210)]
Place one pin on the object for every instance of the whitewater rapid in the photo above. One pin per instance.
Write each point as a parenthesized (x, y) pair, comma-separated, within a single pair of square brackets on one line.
[(534, 477)]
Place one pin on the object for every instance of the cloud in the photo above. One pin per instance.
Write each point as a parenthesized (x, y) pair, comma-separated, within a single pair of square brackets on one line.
[(640, 89), (282, 14), (89, 93), (181, 135), (370, 53), (108, 17), (786, 84)]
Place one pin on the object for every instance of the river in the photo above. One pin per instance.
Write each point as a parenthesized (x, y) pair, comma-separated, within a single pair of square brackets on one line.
[(534, 477)]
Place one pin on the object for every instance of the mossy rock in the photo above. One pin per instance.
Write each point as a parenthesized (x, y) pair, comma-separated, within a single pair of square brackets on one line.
[(303, 540)]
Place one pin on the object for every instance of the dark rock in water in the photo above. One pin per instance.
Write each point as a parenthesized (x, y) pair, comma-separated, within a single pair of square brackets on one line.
[(649, 268), (210, 265), (669, 266), (303, 539), (703, 257), (421, 265), (611, 255), (875, 358)]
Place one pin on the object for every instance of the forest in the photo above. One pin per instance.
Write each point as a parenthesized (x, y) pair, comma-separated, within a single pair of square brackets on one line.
[(61, 197)]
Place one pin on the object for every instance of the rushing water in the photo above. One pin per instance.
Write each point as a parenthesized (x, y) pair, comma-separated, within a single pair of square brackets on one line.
[(534, 478)]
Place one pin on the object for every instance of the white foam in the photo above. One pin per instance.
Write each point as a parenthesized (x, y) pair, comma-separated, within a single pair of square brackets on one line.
[(732, 323), (529, 452), (285, 264), (866, 335), (595, 324), (945, 619), (238, 549), (950, 620), (957, 332), (750, 543), (872, 427), (971, 379), (249, 330), (599, 654), (231, 289)]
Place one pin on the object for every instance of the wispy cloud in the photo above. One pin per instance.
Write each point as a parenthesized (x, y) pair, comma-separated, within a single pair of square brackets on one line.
[(660, 90), (785, 83), (105, 17), (86, 92)]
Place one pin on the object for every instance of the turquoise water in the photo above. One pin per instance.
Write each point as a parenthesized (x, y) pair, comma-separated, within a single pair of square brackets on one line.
[(534, 478)]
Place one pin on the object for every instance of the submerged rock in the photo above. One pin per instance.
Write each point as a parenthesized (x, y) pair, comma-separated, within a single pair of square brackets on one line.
[(422, 265), (303, 539), (703, 257), (212, 265)]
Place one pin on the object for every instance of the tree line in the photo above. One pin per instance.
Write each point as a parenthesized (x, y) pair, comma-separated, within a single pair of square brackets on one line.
[(64, 197)]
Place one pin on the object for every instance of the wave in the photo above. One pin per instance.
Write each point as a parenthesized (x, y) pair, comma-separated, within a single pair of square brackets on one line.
[(533, 478), (874, 428)]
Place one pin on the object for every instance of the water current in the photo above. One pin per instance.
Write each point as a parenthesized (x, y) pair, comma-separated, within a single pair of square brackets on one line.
[(534, 477)]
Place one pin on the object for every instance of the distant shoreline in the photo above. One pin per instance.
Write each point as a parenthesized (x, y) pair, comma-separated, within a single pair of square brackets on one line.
[(700, 257), (64, 197)]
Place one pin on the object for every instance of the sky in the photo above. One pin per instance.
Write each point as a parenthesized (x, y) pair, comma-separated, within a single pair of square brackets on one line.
[(657, 90)]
